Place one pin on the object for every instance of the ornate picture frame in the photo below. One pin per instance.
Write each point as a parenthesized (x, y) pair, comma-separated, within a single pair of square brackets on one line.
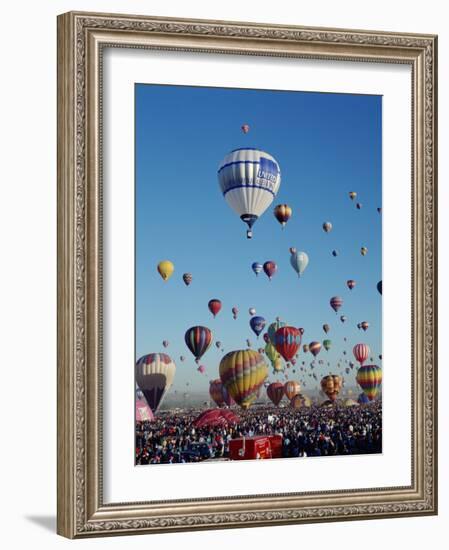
[(82, 38)]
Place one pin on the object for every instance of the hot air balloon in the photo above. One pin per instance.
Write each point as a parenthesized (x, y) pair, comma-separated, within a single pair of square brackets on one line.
[(275, 392), (361, 353), (350, 283), (249, 180), (165, 269), (242, 373), (379, 210), (218, 344), (248, 342), (363, 251), (282, 213), (326, 328), (379, 287), (327, 344), (291, 389), (336, 302), (270, 269), (155, 373), (257, 268), (359, 206), (216, 393), (252, 311), (300, 401), (362, 399), (343, 318), (380, 356), (277, 365), (214, 306), (245, 128), (257, 325), (292, 250), (201, 369), (299, 262), (334, 253), (331, 386), (182, 358), (369, 378), (327, 227), (198, 339), (271, 353), (271, 331), (364, 325), (287, 341), (314, 348), (305, 348), (165, 343), (143, 411), (187, 278), (352, 195), (235, 312)]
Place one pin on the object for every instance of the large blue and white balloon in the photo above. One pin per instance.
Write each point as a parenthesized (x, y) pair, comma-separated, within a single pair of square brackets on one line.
[(249, 180), (257, 325), (299, 261)]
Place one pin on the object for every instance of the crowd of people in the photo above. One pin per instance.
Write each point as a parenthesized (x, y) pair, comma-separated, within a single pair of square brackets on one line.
[(314, 431)]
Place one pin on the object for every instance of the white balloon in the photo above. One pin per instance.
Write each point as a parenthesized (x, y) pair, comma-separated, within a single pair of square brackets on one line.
[(249, 180)]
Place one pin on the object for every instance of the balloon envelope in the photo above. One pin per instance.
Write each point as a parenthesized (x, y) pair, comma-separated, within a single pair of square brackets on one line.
[(249, 180), (242, 373), (299, 261), (282, 213), (287, 341), (165, 269), (198, 339), (369, 378), (275, 392), (155, 373), (257, 324)]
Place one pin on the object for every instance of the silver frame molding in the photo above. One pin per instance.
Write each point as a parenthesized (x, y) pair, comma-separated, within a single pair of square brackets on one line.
[(81, 39)]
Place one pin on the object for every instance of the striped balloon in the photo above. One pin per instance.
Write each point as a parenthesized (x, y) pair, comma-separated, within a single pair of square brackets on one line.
[(369, 378), (275, 392), (361, 352), (249, 180), (291, 388), (198, 340), (336, 302), (314, 348), (242, 373), (273, 328), (155, 373), (287, 341)]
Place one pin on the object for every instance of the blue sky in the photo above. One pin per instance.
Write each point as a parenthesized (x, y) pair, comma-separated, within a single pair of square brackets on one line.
[(326, 146)]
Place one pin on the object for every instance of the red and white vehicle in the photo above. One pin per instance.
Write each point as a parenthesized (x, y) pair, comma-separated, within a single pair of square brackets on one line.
[(256, 447)]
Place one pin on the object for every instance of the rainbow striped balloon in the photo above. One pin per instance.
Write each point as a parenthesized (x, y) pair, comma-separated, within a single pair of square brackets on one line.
[(198, 340), (243, 372), (369, 378)]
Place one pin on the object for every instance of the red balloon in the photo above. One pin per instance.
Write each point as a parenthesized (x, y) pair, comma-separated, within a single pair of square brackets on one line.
[(287, 341), (214, 306), (270, 269), (275, 392)]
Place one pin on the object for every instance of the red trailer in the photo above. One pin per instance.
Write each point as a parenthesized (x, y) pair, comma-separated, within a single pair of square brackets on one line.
[(257, 447)]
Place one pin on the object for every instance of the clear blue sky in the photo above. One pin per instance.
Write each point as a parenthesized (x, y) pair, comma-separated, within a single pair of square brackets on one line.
[(326, 145)]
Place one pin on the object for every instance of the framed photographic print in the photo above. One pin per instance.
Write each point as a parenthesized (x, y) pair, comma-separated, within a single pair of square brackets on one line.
[(247, 274)]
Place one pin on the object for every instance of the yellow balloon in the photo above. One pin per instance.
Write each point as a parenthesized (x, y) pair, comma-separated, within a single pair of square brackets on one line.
[(165, 269)]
